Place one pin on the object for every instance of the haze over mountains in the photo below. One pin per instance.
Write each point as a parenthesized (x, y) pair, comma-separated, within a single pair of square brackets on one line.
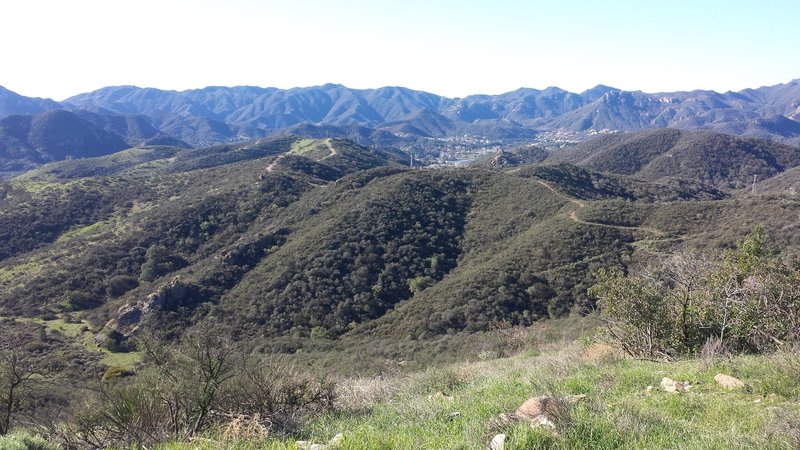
[(219, 114)]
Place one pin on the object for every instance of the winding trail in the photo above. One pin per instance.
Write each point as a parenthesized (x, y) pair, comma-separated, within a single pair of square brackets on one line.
[(580, 203), (330, 148), (573, 215), (272, 165)]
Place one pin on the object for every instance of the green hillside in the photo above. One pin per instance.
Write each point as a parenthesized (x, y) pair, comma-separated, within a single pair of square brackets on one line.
[(715, 159), (335, 257)]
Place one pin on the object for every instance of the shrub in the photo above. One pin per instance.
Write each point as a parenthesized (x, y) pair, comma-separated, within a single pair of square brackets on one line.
[(743, 300), (207, 381), (120, 284)]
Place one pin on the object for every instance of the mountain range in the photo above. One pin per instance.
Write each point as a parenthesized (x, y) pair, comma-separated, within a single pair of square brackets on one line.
[(219, 114)]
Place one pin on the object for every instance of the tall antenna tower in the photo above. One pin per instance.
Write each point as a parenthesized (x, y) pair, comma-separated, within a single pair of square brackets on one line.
[(755, 177), (412, 159)]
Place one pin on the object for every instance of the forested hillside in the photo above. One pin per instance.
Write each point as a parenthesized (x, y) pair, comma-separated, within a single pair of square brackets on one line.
[(336, 256), (291, 237), (715, 159)]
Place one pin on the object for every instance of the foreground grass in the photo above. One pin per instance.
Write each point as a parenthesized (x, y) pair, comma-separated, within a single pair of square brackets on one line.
[(618, 412), (24, 441), (455, 406)]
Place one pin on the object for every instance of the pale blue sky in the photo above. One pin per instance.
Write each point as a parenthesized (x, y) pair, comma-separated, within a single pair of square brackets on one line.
[(57, 48)]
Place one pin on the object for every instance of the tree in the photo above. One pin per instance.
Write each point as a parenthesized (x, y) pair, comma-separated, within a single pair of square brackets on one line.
[(19, 370)]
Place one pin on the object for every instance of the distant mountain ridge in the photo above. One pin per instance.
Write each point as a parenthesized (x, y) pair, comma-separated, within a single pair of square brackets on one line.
[(27, 141), (216, 114), (13, 103)]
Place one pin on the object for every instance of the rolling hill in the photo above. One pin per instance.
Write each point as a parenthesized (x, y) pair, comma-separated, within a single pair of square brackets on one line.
[(711, 158), (291, 238)]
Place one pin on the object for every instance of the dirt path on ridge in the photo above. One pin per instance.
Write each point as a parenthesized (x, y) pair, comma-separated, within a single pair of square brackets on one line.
[(573, 215)]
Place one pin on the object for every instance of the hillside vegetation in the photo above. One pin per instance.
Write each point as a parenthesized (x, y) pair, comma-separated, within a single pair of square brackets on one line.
[(715, 159), (332, 256)]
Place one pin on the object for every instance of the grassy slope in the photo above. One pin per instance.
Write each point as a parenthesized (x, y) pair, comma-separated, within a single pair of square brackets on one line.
[(396, 411)]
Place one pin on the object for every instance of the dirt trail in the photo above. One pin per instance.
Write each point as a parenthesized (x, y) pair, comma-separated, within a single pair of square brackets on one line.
[(573, 215), (580, 203), (330, 148), (272, 165)]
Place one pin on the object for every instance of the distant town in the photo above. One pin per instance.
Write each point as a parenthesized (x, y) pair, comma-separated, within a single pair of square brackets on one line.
[(465, 149)]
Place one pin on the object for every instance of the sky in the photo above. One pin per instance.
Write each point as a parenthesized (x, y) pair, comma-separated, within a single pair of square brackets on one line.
[(58, 48)]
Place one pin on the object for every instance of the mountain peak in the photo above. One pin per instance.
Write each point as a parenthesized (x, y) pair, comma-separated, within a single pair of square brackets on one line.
[(13, 103)]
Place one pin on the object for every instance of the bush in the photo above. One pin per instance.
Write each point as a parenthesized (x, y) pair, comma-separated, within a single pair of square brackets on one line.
[(120, 284), (743, 300), (281, 394), (204, 382)]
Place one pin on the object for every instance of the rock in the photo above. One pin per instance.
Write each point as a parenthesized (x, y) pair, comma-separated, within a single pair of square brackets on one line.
[(672, 386), (728, 382), (542, 421), (648, 390), (542, 411), (307, 445), (336, 440), (551, 407), (505, 420), (440, 396), (129, 315), (497, 443)]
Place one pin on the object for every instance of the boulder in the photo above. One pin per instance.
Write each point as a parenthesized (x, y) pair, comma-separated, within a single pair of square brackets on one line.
[(551, 407), (728, 382), (129, 315), (333, 443), (542, 421), (674, 387), (497, 443)]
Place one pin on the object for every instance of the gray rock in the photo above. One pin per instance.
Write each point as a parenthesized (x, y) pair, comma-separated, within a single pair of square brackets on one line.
[(497, 443)]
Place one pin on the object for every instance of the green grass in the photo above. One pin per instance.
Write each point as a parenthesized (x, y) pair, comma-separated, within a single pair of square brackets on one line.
[(71, 329), (34, 186), (304, 146), (82, 333), (82, 231), (125, 361), (618, 412), (315, 149), (8, 274), (24, 441)]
